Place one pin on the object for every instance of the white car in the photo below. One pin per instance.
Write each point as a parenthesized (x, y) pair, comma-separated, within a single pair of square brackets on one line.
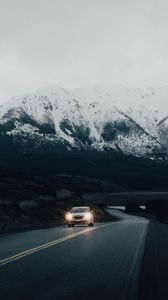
[(80, 215)]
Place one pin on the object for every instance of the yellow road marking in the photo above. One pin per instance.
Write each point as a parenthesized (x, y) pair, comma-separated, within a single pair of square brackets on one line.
[(47, 245)]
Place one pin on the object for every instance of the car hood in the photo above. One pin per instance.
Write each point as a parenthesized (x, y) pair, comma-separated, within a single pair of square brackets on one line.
[(78, 214)]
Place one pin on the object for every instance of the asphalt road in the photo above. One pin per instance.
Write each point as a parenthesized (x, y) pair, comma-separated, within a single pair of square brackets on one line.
[(109, 261)]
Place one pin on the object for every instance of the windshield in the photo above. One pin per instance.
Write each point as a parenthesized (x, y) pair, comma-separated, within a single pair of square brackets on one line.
[(80, 209)]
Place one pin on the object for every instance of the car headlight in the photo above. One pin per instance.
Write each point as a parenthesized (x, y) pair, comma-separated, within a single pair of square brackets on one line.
[(68, 216), (87, 216)]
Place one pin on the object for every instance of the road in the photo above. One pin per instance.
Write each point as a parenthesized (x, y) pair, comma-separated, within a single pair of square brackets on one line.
[(109, 261)]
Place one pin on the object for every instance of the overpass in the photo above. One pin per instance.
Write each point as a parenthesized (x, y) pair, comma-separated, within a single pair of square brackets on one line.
[(121, 199)]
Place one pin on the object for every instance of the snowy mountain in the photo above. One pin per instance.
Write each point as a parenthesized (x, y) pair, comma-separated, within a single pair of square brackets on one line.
[(101, 117)]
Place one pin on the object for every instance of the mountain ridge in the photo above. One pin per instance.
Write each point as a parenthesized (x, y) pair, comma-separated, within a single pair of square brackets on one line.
[(133, 121)]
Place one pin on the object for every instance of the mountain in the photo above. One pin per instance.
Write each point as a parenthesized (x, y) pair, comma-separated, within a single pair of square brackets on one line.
[(104, 118)]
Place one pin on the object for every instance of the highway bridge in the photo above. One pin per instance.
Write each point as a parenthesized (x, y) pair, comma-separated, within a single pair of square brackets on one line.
[(121, 199)]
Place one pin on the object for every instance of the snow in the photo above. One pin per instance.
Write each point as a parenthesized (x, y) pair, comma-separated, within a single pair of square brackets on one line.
[(92, 107)]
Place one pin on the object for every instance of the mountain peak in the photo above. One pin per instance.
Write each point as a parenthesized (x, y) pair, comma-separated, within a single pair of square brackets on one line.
[(101, 116)]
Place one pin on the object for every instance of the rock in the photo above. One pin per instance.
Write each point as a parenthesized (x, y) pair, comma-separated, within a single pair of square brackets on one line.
[(64, 194)]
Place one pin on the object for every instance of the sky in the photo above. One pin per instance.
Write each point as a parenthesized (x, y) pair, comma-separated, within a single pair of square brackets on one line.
[(74, 43)]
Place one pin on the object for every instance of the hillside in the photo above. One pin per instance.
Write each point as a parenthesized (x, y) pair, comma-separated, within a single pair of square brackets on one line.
[(132, 121)]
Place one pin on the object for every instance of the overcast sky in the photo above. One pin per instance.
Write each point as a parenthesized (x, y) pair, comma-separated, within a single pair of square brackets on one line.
[(75, 43)]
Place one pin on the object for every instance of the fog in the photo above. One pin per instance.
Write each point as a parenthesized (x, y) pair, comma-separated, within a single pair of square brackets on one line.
[(75, 43)]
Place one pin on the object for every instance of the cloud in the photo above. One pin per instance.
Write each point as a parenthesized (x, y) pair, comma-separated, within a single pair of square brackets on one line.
[(79, 42)]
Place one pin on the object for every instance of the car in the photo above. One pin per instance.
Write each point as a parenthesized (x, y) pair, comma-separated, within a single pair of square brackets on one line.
[(80, 215)]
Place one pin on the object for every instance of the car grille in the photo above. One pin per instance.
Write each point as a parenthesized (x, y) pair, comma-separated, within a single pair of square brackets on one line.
[(78, 217)]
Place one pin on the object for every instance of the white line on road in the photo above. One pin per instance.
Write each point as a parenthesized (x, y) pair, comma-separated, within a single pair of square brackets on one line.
[(136, 263)]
